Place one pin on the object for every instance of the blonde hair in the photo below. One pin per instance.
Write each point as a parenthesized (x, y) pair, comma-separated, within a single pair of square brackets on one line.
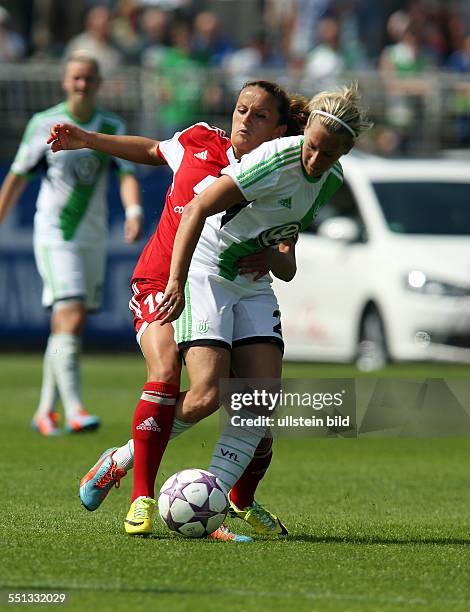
[(82, 56), (342, 107)]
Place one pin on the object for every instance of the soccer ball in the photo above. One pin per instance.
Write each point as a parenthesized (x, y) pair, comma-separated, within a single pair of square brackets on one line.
[(193, 503)]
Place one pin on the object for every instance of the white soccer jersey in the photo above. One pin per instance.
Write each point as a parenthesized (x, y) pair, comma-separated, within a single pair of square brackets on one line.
[(71, 205), (282, 201)]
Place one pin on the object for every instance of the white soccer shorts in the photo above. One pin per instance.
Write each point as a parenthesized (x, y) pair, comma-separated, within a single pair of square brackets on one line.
[(221, 313), (69, 271)]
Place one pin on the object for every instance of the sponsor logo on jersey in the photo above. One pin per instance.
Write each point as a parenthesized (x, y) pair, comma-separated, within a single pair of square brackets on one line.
[(86, 168), (201, 155), (275, 235), (286, 202), (203, 327), (178, 210)]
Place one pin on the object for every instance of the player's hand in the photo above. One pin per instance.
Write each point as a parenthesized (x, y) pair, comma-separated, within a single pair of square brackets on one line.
[(64, 137), (172, 303), (258, 264), (132, 229)]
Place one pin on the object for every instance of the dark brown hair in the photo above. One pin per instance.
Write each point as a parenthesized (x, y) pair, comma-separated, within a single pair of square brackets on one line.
[(293, 108)]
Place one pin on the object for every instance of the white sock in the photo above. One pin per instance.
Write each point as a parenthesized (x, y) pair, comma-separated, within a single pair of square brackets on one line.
[(65, 360), (234, 451), (49, 392), (124, 456)]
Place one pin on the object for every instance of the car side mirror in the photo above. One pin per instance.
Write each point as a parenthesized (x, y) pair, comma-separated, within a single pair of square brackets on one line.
[(340, 228)]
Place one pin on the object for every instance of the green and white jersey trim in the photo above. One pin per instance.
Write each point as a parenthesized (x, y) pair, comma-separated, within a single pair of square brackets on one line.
[(282, 201), (183, 325), (71, 204), (278, 160)]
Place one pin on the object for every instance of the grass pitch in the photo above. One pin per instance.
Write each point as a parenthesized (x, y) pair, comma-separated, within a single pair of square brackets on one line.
[(375, 524)]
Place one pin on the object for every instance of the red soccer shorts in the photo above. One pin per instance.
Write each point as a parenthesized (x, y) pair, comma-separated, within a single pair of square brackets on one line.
[(146, 295)]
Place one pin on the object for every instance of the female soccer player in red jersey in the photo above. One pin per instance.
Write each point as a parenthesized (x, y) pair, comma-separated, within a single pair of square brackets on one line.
[(271, 193), (196, 156)]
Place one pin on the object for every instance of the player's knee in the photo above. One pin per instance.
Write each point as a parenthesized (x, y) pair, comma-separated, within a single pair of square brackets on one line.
[(164, 368), (199, 404), (68, 317)]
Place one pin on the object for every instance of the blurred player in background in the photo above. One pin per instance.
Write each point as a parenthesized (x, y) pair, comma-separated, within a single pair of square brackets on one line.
[(70, 233), (196, 156)]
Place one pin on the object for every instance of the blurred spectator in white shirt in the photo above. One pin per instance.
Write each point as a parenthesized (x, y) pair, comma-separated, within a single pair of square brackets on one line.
[(325, 63), (252, 61), (96, 40), (12, 45), (305, 17)]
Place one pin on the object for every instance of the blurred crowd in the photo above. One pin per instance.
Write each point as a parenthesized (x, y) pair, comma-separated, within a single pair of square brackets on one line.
[(320, 36), (317, 40)]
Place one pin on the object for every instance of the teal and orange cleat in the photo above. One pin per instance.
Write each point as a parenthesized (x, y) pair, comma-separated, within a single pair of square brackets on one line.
[(223, 534), (262, 521), (46, 424), (99, 481), (82, 421)]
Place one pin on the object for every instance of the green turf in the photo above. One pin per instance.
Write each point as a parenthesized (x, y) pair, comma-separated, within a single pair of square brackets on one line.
[(376, 524)]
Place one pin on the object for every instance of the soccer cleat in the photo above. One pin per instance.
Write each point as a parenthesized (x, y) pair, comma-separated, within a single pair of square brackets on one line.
[(262, 521), (82, 421), (139, 519), (46, 424), (224, 534), (98, 481)]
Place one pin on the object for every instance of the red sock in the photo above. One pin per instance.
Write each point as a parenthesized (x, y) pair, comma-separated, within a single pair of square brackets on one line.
[(151, 427), (243, 492)]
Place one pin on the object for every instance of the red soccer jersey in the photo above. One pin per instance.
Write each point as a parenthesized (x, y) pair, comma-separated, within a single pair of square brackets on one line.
[(194, 154)]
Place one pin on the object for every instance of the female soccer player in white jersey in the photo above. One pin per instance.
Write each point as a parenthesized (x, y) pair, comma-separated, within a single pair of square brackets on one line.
[(196, 156), (281, 185), (70, 233)]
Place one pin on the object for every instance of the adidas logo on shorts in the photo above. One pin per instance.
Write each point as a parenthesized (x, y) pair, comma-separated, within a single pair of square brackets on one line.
[(201, 155), (149, 424)]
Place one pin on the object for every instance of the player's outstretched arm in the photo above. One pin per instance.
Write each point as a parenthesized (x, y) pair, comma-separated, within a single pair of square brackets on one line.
[(10, 192), (138, 149)]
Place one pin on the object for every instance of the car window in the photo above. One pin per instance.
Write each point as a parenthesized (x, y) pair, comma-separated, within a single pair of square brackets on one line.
[(341, 204), (431, 208)]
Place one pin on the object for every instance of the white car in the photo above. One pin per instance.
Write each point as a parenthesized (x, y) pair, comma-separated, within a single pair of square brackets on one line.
[(384, 272)]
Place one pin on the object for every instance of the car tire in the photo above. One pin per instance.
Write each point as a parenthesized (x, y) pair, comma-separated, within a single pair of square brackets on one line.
[(372, 353)]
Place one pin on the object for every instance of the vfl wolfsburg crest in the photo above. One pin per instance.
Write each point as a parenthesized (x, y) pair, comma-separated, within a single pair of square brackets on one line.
[(278, 234), (202, 327), (286, 202), (86, 168)]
